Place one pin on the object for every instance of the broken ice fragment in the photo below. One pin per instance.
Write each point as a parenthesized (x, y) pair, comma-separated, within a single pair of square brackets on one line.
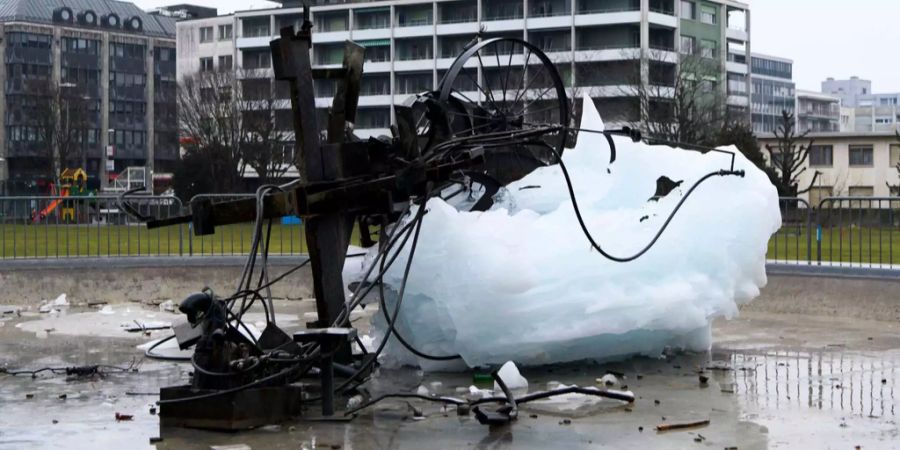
[(510, 375), (608, 380)]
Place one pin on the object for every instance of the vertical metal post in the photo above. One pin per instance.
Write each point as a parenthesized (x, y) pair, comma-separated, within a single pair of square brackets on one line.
[(326, 235)]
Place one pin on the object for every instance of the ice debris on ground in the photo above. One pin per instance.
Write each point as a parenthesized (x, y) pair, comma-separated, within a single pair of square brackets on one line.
[(521, 282), (608, 380), (510, 375)]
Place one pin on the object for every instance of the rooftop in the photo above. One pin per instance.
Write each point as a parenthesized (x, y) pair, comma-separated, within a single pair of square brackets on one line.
[(41, 11)]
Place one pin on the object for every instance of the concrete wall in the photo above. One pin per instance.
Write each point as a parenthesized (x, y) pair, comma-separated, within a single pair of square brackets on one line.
[(145, 280)]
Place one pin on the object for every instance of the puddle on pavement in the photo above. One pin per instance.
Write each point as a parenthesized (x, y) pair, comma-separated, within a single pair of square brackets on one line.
[(755, 399)]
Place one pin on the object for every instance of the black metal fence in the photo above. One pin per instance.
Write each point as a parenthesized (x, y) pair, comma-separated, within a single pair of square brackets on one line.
[(95, 226), (839, 231)]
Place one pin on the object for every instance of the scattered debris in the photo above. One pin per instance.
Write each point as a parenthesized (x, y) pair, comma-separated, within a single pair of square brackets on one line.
[(682, 425), (704, 379), (230, 447), (123, 417), (640, 429), (533, 416), (152, 410), (55, 421), (608, 380), (656, 402), (167, 306), (107, 310), (155, 439), (63, 396), (565, 422), (29, 396)]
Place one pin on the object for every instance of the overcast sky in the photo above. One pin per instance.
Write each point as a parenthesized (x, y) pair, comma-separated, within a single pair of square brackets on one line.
[(825, 38)]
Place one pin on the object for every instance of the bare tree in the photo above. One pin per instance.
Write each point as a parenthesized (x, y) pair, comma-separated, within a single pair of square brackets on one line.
[(60, 115), (228, 119), (265, 142), (788, 157), (679, 101)]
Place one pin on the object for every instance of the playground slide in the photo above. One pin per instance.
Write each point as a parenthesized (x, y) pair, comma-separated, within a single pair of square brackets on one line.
[(52, 206)]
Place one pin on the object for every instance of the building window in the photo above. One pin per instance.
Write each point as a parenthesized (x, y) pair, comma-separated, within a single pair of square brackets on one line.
[(225, 32), (861, 191), (895, 155), (206, 64), (708, 49), (225, 62), (821, 156), (688, 11), (688, 45), (206, 34), (257, 59), (861, 156), (708, 15)]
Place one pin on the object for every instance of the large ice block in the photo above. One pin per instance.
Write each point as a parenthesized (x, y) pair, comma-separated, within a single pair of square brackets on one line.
[(521, 282)]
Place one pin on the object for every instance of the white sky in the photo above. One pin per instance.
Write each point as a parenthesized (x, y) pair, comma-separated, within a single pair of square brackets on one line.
[(825, 38)]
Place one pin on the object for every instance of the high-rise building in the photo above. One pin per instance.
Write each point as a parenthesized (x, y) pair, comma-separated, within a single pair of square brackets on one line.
[(410, 44), (849, 91), (773, 92), (106, 69), (864, 110)]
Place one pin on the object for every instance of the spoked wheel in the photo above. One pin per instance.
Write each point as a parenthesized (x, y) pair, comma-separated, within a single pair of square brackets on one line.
[(507, 85), (449, 119)]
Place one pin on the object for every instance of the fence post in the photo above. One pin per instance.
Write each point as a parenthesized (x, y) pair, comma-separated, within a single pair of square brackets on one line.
[(809, 213)]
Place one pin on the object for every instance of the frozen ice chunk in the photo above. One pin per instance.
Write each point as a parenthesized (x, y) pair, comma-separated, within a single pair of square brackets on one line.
[(61, 300), (521, 282), (510, 375)]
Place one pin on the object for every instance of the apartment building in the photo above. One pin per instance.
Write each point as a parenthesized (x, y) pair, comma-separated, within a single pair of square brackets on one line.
[(110, 56), (773, 91), (411, 44), (850, 164), (817, 112)]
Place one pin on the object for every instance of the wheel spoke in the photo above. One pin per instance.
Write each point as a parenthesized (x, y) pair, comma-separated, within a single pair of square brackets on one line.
[(506, 81), (525, 68), (489, 94)]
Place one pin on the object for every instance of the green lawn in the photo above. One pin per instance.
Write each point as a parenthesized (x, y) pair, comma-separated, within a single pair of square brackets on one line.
[(50, 240), (866, 245)]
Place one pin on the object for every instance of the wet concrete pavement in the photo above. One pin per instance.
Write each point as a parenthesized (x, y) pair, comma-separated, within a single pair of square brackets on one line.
[(776, 381)]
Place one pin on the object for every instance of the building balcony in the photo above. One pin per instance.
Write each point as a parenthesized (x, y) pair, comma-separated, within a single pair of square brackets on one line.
[(499, 24), (738, 100), (607, 18), (330, 36), (253, 42), (468, 28), (412, 31), (665, 20), (414, 65), (738, 35), (734, 67), (537, 23), (607, 54), (379, 33)]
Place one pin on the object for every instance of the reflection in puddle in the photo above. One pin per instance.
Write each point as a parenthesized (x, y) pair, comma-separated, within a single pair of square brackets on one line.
[(849, 383)]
